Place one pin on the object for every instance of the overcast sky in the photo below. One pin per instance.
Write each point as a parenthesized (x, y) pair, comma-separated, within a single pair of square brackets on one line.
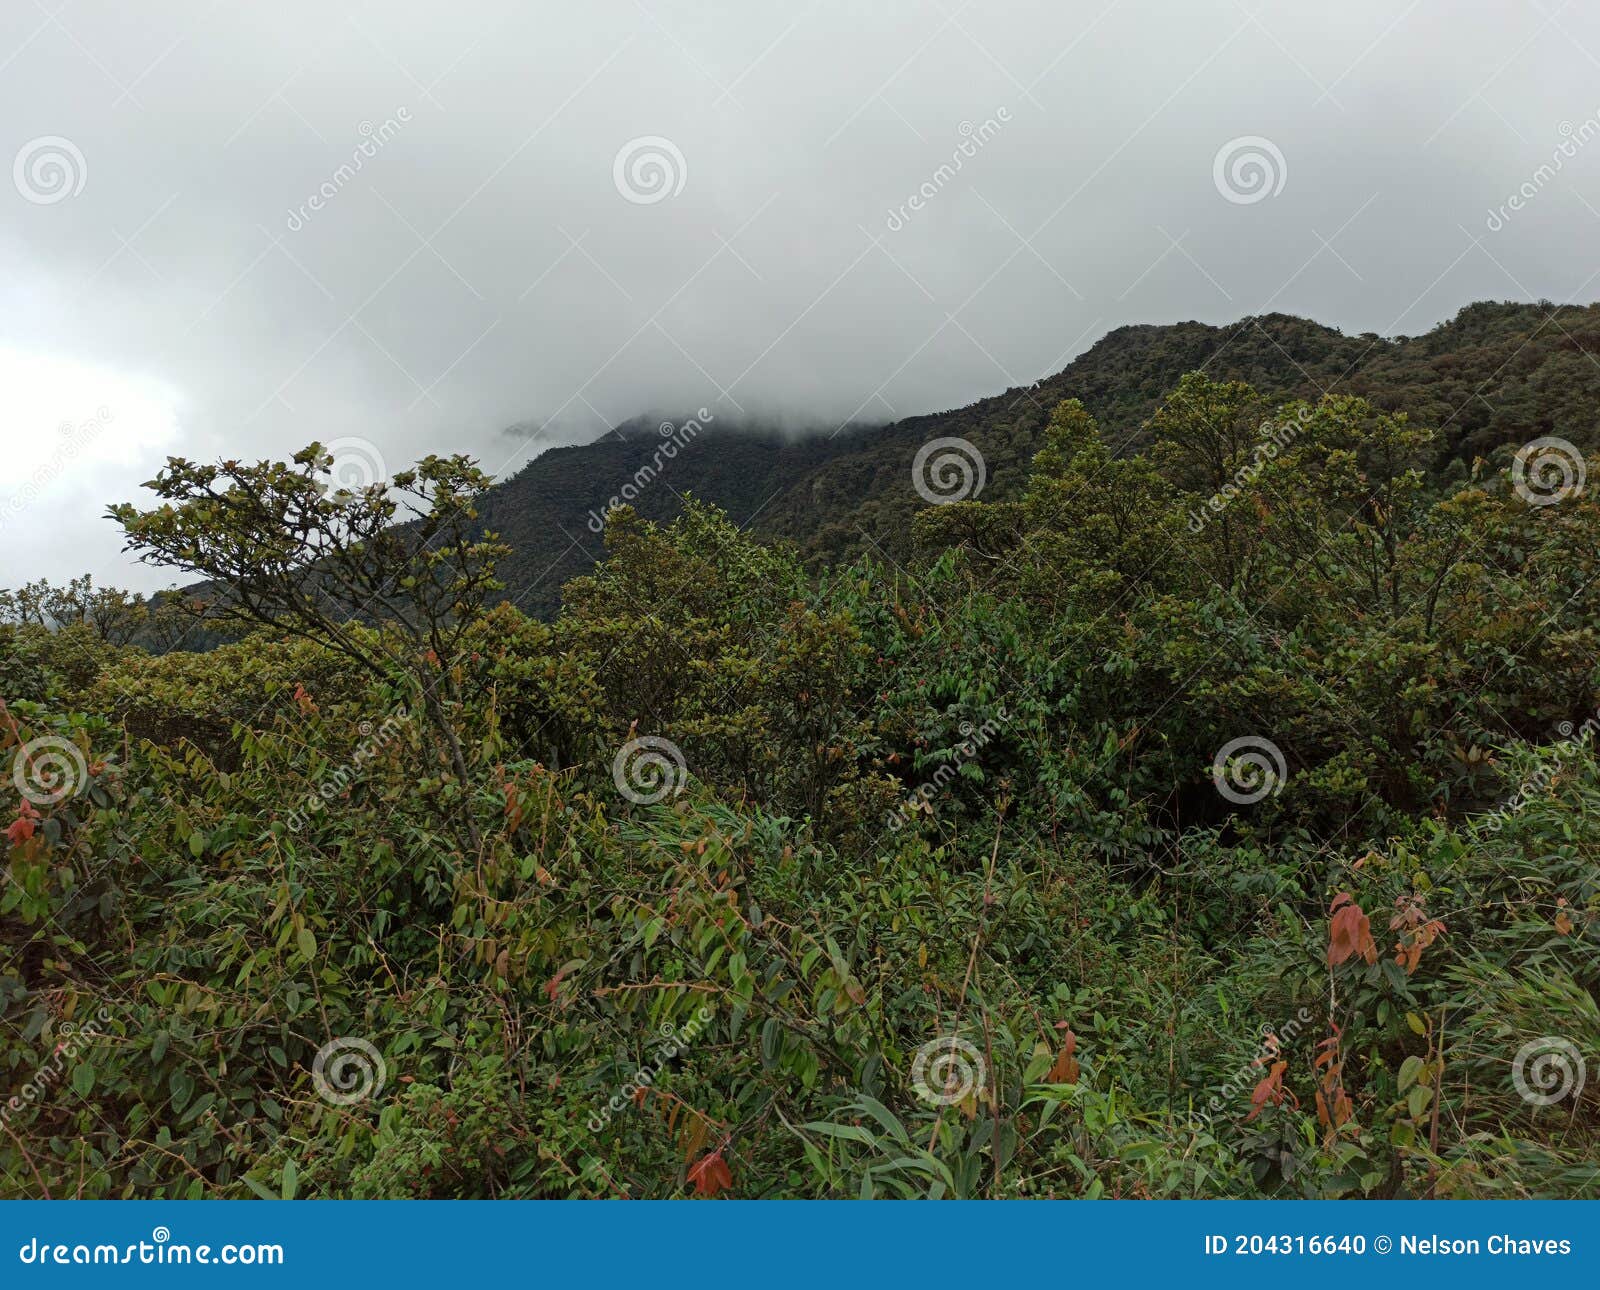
[(233, 228)]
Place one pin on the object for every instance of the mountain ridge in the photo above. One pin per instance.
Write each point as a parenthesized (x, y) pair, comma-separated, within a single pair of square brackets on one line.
[(1496, 373)]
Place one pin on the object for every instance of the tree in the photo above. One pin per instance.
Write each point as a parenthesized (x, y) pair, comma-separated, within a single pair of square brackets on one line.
[(169, 618), (1101, 527), (285, 550), (115, 616)]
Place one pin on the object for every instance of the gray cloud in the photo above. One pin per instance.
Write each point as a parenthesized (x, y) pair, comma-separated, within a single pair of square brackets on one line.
[(827, 255)]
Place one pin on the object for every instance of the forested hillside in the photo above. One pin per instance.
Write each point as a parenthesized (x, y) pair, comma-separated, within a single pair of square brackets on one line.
[(1208, 807), (1495, 375)]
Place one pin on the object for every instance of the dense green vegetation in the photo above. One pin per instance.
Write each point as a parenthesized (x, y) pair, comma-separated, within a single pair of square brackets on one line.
[(943, 871), (1495, 375)]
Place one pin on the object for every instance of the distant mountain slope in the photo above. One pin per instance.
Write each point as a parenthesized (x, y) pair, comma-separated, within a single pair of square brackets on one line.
[(1495, 375)]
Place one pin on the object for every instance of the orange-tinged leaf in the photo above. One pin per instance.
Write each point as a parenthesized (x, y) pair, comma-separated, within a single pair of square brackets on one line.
[(1065, 1070), (1338, 1114), (1270, 1089), (1349, 932), (710, 1175), (21, 830), (1417, 931)]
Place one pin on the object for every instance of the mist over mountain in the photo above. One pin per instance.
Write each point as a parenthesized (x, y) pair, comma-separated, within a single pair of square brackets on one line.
[(1496, 374)]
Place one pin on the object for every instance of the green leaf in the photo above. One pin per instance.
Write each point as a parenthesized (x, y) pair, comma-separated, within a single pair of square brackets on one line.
[(181, 1085), (259, 1188), (83, 1078), (771, 1041), (879, 1112), (850, 1132)]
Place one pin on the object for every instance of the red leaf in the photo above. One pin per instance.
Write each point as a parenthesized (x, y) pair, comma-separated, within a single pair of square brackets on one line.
[(1270, 1089), (1417, 931), (710, 1175), (1065, 1070), (1349, 932), (22, 827)]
